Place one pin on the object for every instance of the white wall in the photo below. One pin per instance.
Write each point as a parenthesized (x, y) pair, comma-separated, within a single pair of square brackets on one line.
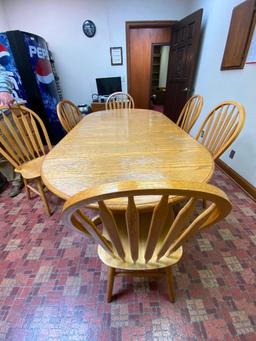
[(216, 85), (3, 23), (165, 51), (79, 60)]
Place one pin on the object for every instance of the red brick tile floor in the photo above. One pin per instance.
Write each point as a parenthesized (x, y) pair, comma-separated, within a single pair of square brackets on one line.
[(53, 285)]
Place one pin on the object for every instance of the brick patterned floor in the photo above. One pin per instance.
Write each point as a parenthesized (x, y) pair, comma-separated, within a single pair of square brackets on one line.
[(52, 284)]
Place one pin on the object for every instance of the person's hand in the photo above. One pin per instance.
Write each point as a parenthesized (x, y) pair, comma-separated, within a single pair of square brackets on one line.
[(6, 98)]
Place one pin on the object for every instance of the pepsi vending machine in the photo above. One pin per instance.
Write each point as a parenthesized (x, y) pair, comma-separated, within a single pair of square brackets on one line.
[(25, 58)]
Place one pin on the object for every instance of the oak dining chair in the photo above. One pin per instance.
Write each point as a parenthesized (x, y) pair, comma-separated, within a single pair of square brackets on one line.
[(21, 144), (119, 100), (144, 244), (221, 127), (69, 114), (190, 113)]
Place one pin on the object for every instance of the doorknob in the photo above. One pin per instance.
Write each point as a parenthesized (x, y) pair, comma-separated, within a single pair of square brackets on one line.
[(186, 89)]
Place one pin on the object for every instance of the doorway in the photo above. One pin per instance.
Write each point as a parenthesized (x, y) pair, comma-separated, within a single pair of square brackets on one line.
[(159, 72), (144, 39), (139, 38)]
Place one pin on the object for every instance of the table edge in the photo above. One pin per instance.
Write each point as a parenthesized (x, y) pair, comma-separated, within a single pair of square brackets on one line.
[(65, 197)]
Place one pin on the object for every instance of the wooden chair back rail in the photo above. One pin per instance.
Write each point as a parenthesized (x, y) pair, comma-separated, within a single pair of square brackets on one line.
[(69, 114), (190, 113), (21, 132), (119, 100), (221, 127), (20, 139), (158, 243)]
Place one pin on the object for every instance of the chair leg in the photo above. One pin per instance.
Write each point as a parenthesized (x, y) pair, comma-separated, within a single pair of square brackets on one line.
[(111, 277), (26, 188), (169, 276), (43, 197)]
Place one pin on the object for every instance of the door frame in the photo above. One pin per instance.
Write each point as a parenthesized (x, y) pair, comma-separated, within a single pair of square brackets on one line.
[(151, 65), (141, 24)]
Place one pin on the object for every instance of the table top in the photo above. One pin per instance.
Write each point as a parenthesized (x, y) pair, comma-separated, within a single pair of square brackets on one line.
[(120, 145)]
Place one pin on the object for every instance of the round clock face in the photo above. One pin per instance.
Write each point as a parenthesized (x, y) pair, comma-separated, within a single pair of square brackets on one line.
[(89, 28)]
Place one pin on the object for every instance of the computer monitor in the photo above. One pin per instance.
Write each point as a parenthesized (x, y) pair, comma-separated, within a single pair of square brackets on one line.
[(106, 86)]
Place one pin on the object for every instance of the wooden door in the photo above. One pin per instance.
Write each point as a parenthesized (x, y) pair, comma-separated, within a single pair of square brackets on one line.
[(140, 37), (182, 63), (242, 25)]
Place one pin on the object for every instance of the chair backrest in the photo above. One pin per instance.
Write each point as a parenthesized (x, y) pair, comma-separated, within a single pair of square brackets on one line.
[(68, 114), (137, 243), (20, 135), (119, 100), (221, 127), (190, 113)]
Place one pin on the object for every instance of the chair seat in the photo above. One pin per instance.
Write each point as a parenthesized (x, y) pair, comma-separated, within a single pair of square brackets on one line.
[(140, 263), (31, 169)]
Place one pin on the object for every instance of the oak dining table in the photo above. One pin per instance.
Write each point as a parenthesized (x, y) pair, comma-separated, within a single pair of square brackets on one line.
[(121, 145)]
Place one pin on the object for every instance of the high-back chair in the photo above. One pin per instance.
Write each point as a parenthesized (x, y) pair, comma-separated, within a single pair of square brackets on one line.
[(221, 127), (21, 144), (190, 113), (119, 100), (69, 114), (135, 241)]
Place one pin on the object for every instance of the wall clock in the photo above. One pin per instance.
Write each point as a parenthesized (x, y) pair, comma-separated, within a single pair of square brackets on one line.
[(89, 28)]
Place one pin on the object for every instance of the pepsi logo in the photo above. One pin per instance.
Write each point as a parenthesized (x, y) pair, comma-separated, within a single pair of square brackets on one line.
[(44, 71), (4, 51), (40, 52)]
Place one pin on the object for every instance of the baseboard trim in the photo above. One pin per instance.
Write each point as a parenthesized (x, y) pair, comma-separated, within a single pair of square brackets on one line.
[(242, 182)]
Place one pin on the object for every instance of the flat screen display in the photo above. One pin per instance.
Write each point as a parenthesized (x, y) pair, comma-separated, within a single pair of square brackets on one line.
[(106, 86)]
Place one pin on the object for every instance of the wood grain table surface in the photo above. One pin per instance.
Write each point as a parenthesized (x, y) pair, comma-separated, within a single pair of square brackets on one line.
[(120, 145)]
